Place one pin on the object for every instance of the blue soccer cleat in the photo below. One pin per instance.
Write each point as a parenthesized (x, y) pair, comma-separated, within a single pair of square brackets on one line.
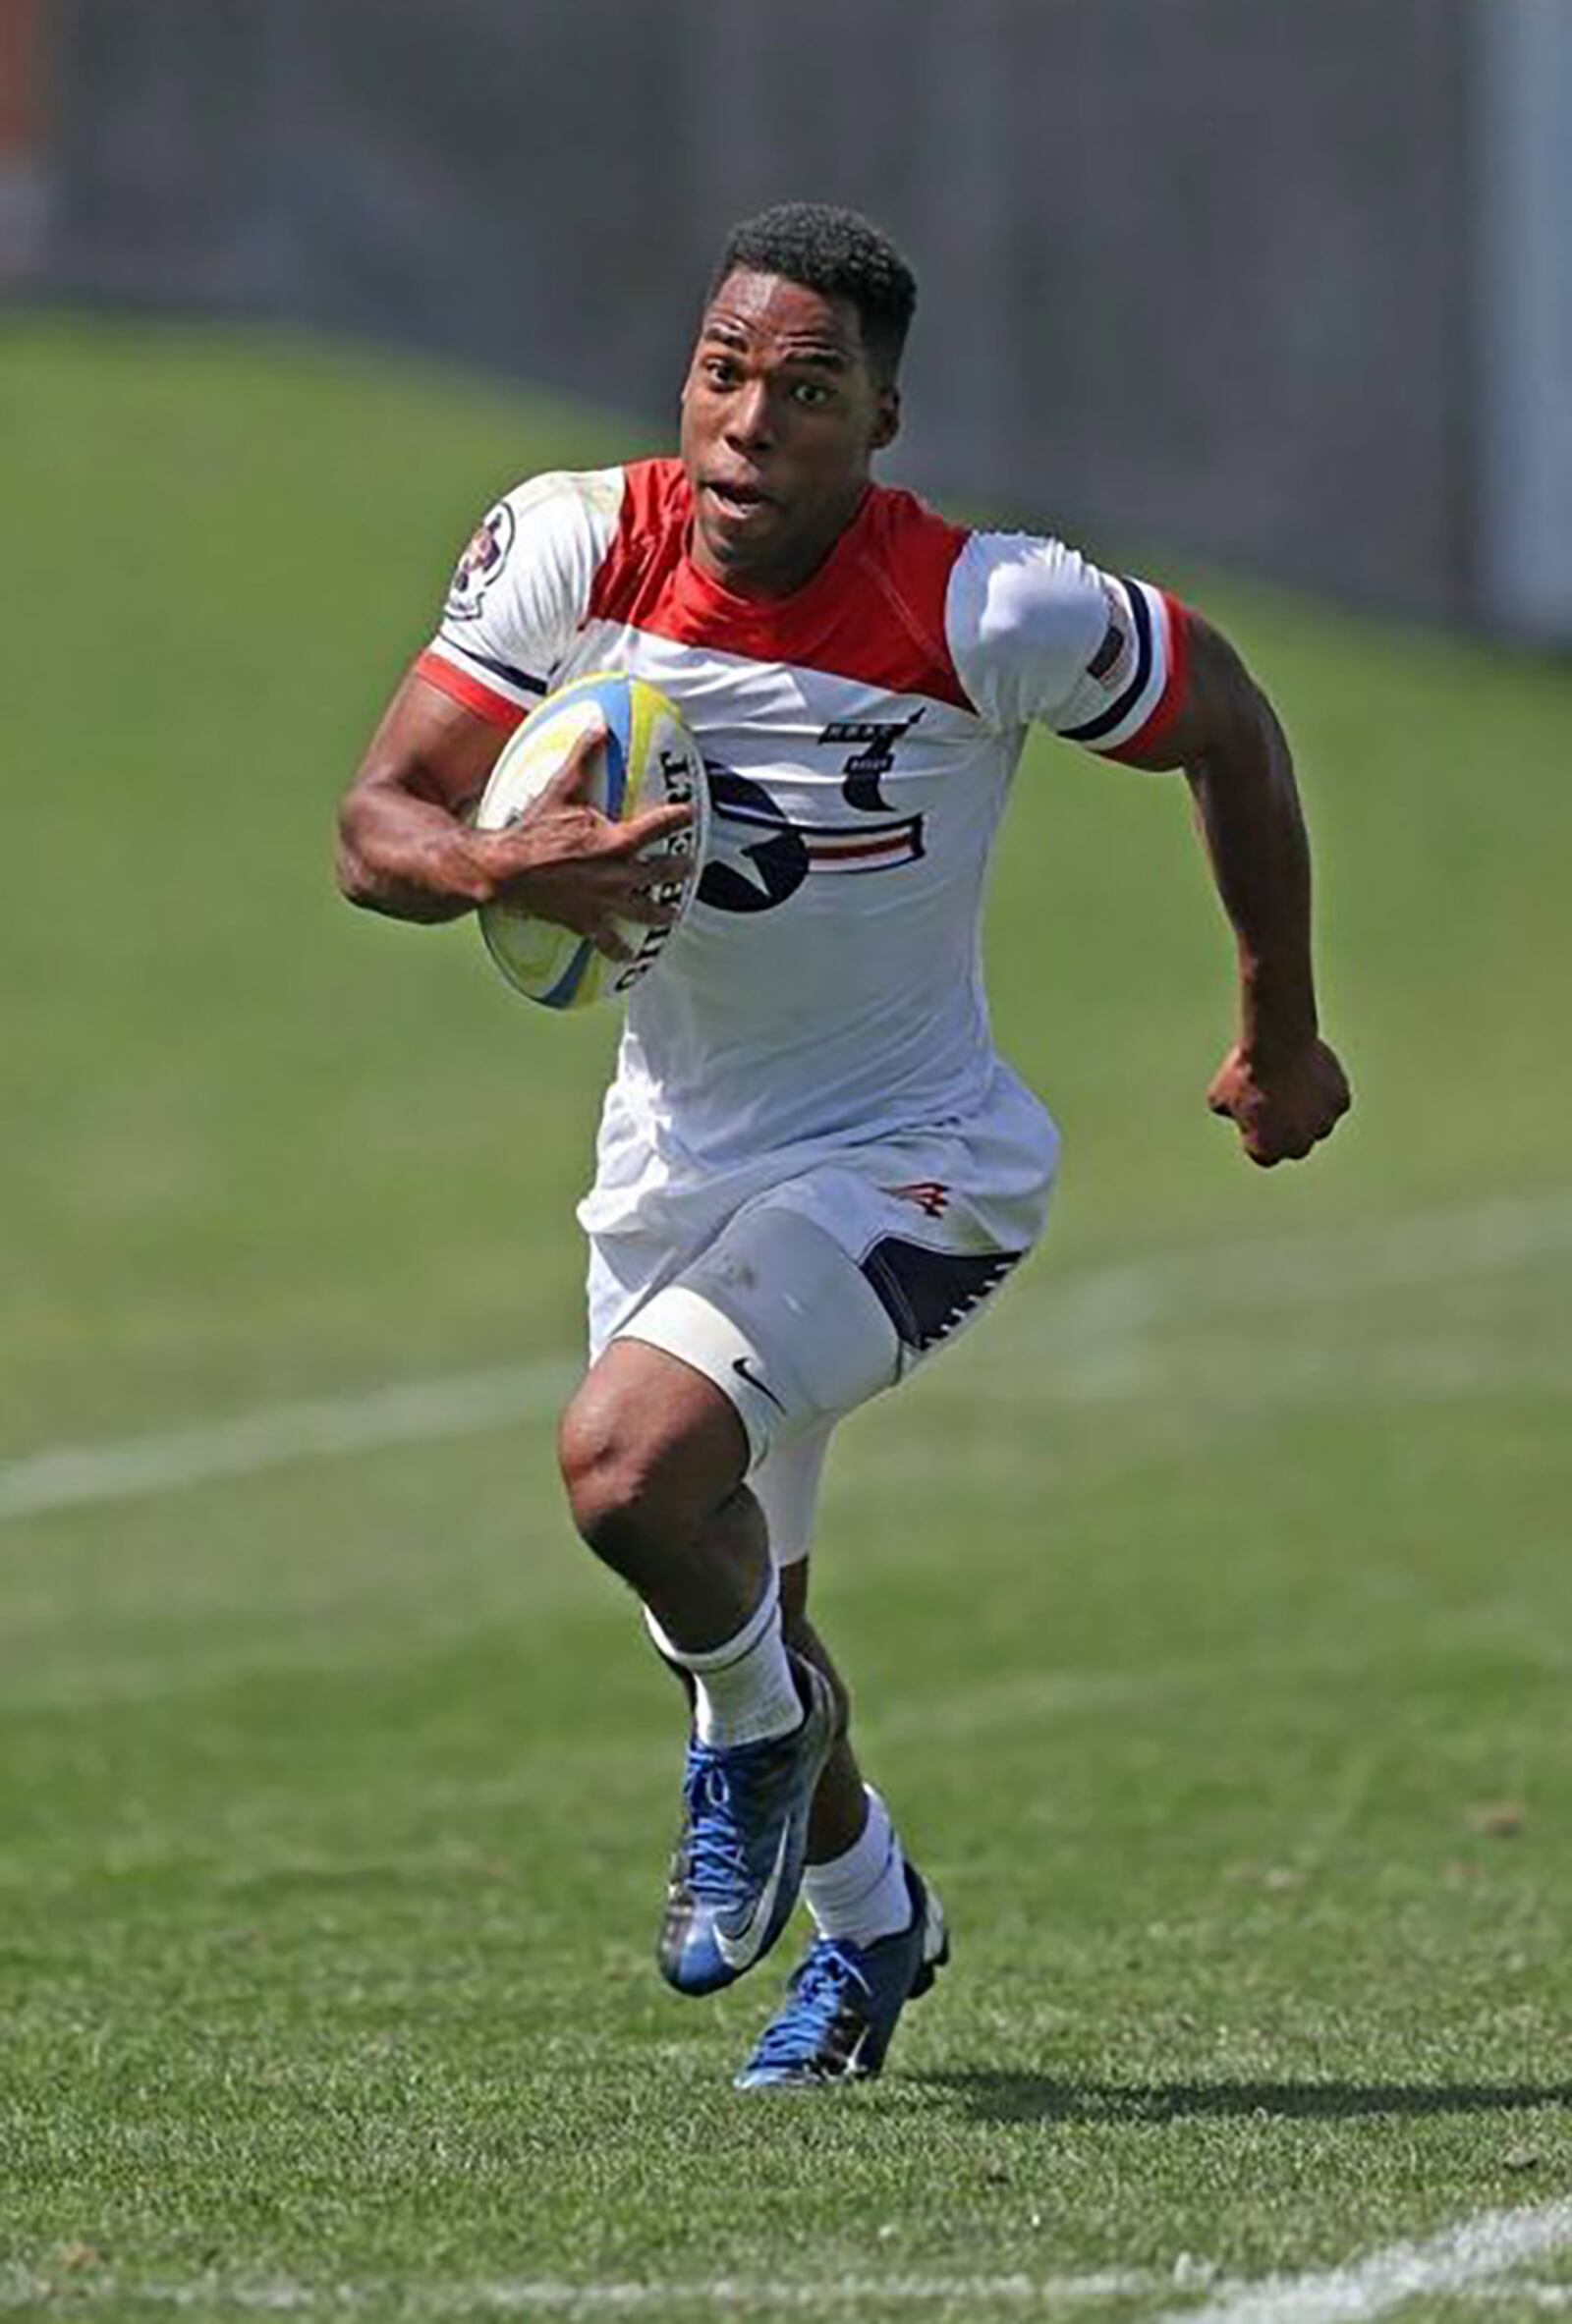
[(843, 2003), (739, 1859)]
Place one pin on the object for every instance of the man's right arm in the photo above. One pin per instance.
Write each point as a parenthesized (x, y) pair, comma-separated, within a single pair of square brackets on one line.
[(403, 846), (406, 848)]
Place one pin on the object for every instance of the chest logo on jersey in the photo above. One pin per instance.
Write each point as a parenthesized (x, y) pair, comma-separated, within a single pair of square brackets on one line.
[(874, 755), (759, 856)]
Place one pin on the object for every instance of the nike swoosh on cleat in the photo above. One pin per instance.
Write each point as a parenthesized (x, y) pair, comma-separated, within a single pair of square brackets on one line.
[(854, 2069), (740, 1952)]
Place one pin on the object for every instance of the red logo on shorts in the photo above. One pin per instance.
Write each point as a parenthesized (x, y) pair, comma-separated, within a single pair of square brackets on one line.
[(930, 1197)]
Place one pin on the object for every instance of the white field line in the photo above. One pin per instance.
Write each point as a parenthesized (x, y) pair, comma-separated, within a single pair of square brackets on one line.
[(466, 1404), (1473, 2254), (1097, 1317), (23, 2287)]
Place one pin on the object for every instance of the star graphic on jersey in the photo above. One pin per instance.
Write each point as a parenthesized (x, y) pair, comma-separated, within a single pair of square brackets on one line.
[(741, 850), (755, 859)]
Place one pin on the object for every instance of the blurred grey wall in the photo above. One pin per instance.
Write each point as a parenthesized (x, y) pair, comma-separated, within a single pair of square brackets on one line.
[(1197, 276)]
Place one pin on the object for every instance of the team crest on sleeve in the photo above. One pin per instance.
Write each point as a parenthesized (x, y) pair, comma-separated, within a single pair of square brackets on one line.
[(483, 558)]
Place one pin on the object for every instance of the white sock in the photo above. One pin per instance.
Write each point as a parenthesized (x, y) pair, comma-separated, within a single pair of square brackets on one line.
[(862, 1896), (743, 1690)]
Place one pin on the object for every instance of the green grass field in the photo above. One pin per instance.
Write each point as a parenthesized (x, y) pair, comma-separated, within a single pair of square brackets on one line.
[(1210, 1608)]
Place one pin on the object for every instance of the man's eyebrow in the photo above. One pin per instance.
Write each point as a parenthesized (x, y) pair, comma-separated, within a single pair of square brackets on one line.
[(828, 359), (825, 354)]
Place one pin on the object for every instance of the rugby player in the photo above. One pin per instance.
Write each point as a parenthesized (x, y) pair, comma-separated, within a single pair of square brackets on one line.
[(813, 1169)]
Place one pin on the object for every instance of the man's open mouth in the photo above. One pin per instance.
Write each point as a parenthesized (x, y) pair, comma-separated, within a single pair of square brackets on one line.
[(737, 499)]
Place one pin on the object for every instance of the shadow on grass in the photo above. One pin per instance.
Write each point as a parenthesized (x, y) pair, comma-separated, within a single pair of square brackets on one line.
[(990, 2095)]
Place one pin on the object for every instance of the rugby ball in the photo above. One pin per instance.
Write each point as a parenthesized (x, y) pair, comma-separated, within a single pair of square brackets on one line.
[(647, 759)]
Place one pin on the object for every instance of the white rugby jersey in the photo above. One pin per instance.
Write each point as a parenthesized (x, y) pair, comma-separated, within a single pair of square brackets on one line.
[(861, 736)]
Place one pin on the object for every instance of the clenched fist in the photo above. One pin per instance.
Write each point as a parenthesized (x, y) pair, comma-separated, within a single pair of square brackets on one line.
[(1281, 1106)]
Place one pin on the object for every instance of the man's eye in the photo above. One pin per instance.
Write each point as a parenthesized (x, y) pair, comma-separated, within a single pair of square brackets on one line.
[(812, 392), (720, 372)]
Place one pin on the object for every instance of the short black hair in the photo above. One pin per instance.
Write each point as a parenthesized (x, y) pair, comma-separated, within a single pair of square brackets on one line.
[(837, 253)]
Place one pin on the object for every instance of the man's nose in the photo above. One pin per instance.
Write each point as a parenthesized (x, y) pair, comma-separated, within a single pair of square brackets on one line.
[(747, 416)]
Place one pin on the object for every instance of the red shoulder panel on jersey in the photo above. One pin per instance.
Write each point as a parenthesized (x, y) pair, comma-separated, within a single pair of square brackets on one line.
[(873, 612), (460, 686), (1176, 686)]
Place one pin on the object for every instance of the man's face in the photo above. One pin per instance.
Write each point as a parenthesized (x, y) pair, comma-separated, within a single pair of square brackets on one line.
[(781, 415)]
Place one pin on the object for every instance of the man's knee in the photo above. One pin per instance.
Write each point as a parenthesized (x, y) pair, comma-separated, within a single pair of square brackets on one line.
[(610, 1476), (643, 1458)]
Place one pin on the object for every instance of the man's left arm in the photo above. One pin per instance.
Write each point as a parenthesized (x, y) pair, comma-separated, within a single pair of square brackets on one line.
[(1281, 1083)]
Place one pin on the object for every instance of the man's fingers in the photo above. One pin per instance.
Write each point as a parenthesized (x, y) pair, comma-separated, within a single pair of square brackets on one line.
[(1268, 1147), (1280, 1124), (599, 892), (648, 911), (569, 786), (1283, 1146), (645, 830)]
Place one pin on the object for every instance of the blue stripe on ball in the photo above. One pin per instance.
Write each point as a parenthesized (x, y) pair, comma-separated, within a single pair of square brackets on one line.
[(565, 990), (613, 697)]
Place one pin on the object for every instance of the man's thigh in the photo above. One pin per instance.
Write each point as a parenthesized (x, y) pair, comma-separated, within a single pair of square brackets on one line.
[(774, 1314), (813, 1297), (778, 1322)]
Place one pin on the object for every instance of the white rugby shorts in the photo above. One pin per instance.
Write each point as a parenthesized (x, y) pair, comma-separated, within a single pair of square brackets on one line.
[(826, 1288)]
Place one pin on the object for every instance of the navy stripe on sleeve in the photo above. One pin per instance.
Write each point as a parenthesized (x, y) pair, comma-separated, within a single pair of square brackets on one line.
[(1107, 720), (518, 677)]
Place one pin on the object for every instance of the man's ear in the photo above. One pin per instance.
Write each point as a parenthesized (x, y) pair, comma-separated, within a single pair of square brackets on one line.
[(887, 418)]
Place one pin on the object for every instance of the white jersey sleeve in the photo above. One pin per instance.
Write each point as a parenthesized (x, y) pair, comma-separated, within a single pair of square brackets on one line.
[(1038, 635), (521, 592)]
